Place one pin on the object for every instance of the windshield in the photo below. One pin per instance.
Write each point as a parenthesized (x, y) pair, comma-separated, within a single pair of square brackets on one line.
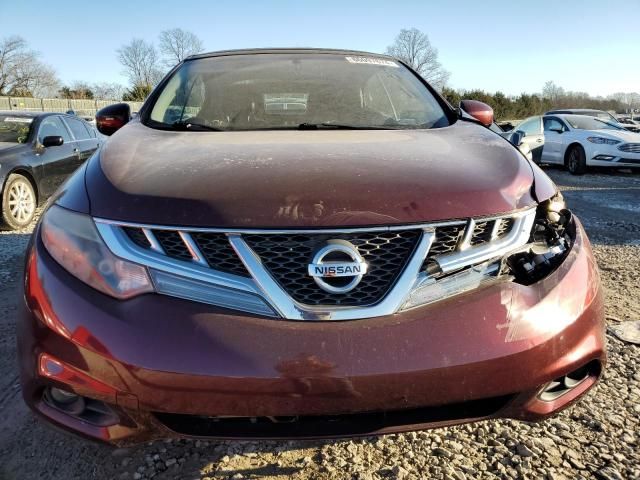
[(14, 129), (273, 91), (603, 115), (590, 123)]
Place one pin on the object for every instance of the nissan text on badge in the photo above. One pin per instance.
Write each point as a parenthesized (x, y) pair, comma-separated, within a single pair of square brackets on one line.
[(304, 243)]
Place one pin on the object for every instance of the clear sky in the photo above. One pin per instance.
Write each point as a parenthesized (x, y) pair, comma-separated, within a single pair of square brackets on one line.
[(511, 46)]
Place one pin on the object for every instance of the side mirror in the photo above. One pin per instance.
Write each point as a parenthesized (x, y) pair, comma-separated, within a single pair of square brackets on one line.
[(516, 137), (557, 129), (112, 118), (52, 141), (478, 110)]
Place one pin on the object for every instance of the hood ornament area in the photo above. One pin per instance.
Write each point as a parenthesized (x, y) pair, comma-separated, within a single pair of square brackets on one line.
[(337, 267)]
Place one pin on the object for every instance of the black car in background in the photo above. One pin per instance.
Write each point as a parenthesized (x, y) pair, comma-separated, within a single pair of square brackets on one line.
[(38, 151)]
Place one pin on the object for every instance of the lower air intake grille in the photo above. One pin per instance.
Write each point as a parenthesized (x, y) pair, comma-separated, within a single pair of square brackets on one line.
[(287, 257), (329, 425)]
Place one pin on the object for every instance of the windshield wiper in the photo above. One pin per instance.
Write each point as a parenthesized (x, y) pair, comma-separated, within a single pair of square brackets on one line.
[(340, 126), (186, 125)]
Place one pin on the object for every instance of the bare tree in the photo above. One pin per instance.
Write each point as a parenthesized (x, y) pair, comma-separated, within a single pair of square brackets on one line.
[(140, 62), (552, 91), (414, 48), (22, 73), (177, 44), (108, 91)]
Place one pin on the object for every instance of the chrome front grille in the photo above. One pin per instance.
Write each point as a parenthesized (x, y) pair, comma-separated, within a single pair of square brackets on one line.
[(215, 249), (451, 238), (286, 257), (219, 254), (630, 147), (266, 272), (172, 244), (482, 232), (504, 227), (446, 239)]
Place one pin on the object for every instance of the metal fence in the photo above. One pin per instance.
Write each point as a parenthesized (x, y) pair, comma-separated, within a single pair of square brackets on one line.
[(82, 108)]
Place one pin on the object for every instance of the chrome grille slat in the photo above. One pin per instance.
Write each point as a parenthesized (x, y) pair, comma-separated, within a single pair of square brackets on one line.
[(218, 253), (196, 255), (481, 232), (446, 239), (172, 244), (137, 236), (506, 224)]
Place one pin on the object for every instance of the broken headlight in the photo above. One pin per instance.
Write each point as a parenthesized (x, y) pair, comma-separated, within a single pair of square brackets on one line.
[(552, 237)]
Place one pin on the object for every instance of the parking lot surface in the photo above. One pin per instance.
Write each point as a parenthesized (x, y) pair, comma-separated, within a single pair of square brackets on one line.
[(597, 438)]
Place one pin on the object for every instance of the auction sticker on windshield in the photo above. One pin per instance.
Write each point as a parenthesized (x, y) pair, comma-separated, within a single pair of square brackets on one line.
[(372, 61)]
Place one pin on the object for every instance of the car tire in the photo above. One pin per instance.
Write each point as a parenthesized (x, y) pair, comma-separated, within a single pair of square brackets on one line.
[(576, 161), (18, 203)]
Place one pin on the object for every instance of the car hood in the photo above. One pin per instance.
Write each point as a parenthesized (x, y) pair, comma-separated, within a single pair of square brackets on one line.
[(10, 146), (298, 178), (622, 135)]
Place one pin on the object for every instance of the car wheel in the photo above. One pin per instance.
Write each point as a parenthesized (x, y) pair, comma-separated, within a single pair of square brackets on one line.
[(18, 202), (576, 162)]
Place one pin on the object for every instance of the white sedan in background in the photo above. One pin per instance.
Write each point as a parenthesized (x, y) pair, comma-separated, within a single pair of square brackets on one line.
[(578, 142)]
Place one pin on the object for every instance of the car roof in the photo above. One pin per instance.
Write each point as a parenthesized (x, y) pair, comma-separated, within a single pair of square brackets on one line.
[(572, 110), (577, 116), (254, 51), (26, 113), (32, 114)]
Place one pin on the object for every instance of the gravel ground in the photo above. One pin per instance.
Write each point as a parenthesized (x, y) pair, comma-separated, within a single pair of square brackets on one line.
[(597, 438)]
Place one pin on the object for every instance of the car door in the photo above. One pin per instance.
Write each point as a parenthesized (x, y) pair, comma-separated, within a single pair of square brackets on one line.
[(57, 162), (85, 143), (533, 136), (554, 138)]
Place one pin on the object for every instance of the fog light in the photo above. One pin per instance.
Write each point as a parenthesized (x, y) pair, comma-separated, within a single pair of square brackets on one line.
[(64, 400), (568, 382), (62, 396), (604, 157)]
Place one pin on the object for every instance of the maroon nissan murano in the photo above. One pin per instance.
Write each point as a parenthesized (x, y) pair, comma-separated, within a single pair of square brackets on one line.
[(304, 243)]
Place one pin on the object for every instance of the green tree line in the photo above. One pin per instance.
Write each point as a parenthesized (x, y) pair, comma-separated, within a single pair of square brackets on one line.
[(526, 105)]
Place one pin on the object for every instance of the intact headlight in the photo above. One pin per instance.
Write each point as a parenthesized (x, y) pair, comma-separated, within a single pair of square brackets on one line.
[(603, 141), (72, 239)]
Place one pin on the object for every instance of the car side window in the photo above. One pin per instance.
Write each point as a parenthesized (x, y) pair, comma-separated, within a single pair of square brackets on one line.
[(92, 131), (53, 126), (77, 128), (531, 126), (551, 124)]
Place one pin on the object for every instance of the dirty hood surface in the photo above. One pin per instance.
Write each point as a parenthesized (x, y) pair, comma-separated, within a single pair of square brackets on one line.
[(306, 178)]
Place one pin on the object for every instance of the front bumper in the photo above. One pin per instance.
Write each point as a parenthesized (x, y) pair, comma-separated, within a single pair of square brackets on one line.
[(604, 156), (166, 366)]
